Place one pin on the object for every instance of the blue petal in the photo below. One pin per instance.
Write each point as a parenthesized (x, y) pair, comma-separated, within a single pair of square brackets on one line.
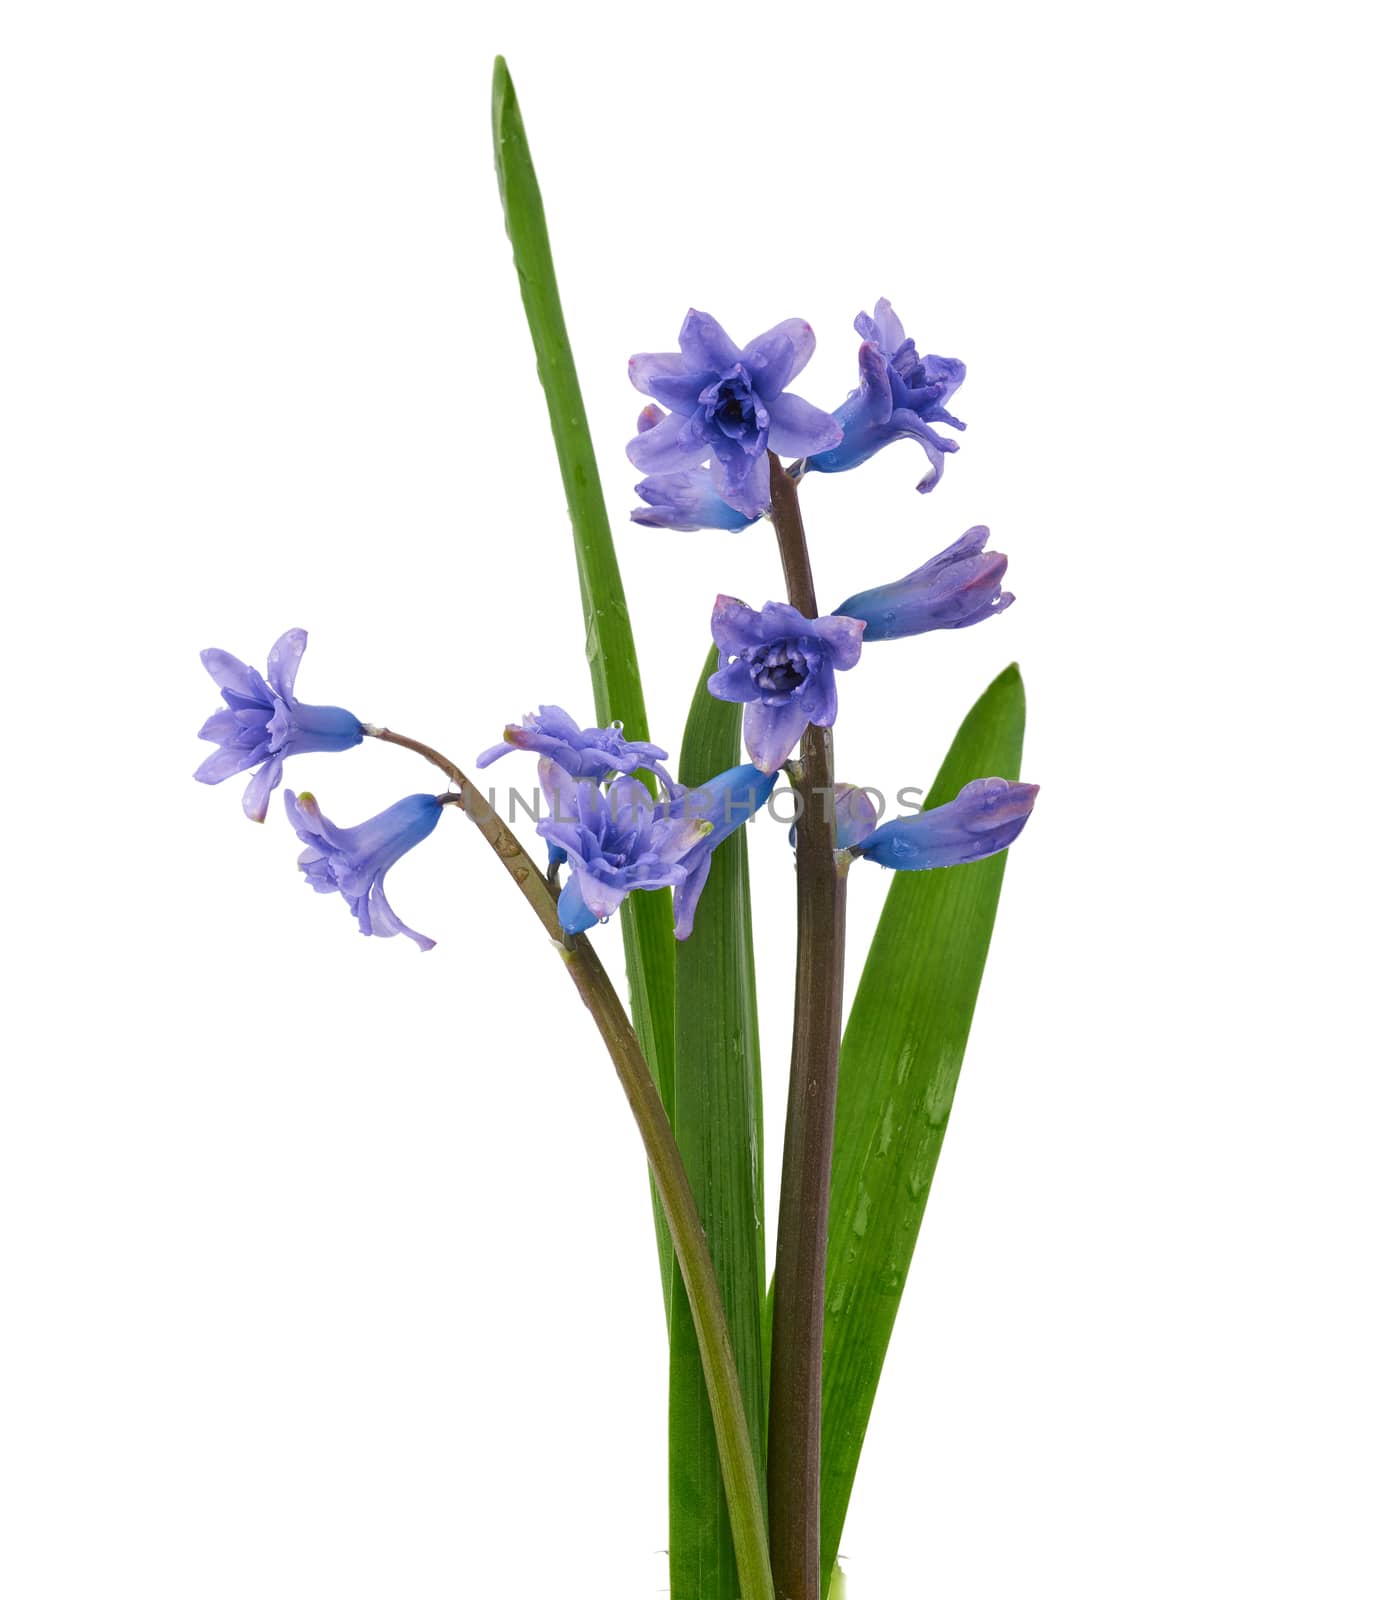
[(285, 656), (686, 896), (771, 732), (800, 429), (572, 912), (774, 366), (705, 344), (667, 447), (737, 627), (985, 817), (229, 672)]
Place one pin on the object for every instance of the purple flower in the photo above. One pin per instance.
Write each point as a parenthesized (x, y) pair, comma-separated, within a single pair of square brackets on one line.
[(727, 406), (683, 500), (900, 395), (956, 589), (615, 842), (596, 753), (726, 802), (354, 860), (985, 817), (264, 724), (781, 666), (686, 502)]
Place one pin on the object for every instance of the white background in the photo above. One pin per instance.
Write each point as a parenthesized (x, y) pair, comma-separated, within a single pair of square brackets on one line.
[(327, 1267)]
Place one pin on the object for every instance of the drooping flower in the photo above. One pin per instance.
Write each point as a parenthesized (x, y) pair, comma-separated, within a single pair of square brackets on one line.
[(686, 500), (781, 666), (959, 587), (596, 753), (263, 723), (615, 841), (900, 395), (728, 406), (726, 801), (856, 816), (353, 861), (985, 817)]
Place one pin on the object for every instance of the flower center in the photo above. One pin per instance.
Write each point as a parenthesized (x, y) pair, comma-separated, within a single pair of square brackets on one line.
[(779, 669), (620, 845), (733, 407)]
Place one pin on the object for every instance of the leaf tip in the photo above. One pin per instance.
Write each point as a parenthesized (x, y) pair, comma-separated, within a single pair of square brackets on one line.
[(503, 102), (1009, 681)]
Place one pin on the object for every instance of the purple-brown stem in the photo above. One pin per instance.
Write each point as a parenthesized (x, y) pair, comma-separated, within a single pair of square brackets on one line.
[(794, 1393)]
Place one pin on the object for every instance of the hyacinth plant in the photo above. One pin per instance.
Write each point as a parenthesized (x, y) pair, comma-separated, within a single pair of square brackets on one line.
[(771, 1381)]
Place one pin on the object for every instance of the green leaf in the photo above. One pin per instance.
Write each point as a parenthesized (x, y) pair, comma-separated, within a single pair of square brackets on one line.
[(609, 638), (646, 918), (899, 1064), (719, 1127)]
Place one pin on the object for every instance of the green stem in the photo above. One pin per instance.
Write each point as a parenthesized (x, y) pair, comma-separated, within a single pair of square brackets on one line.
[(669, 1175), (794, 1390)]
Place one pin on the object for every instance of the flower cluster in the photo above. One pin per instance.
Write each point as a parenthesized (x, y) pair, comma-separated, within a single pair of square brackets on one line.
[(901, 395), (782, 665), (605, 826), (779, 663), (728, 412), (262, 726)]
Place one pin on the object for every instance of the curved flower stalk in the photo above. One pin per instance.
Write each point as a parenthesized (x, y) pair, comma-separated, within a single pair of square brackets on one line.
[(687, 1233), (900, 396), (264, 723), (353, 861), (959, 587), (729, 406), (984, 818), (594, 753), (781, 666)]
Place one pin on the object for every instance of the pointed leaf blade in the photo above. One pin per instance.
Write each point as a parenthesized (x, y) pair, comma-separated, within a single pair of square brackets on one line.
[(899, 1064)]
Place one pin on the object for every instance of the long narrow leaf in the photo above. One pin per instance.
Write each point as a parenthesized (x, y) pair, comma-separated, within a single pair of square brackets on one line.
[(719, 1125), (899, 1064), (646, 918)]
